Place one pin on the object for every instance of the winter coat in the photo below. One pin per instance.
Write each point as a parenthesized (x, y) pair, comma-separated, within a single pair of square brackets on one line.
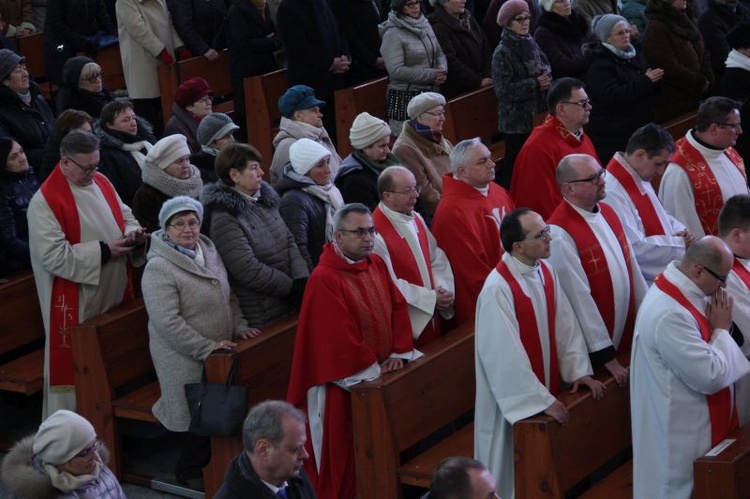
[(622, 98), (633, 11), (291, 131), (735, 84), (243, 482), (672, 42), (190, 309), (204, 161), (358, 183), (24, 476), (183, 123), (16, 190), (467, 51), (411, 52), (147, 202), (714, 24), (562, 41), (66, 26), (70, 96), (30, 125), (251, 50), (358, 21), (489, 22), (199, 23), (519, 94), (257, 248), (588, 9), (145, 30)]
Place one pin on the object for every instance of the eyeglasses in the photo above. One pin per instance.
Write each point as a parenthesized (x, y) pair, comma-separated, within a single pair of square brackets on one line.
[(94, 77), (735, 126), (720, 278), (593, 179), (360, 232), (622, 32), (542, 235), (409, 191), (85, 169), (95, 447), (192, 225), (581, 103), (438, 114), (522, 19), (411, 4)]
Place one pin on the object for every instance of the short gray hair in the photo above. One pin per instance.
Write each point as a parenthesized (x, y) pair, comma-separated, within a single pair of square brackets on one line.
[(265, 421), (345, 210), (79, 142), (459, 153)]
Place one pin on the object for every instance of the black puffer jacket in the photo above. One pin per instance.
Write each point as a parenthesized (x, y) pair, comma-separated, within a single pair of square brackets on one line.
[(358, 183), (16, 191), (30, 125), (562, 41)]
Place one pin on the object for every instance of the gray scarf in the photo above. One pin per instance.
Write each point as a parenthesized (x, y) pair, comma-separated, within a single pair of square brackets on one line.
[(173, 186)]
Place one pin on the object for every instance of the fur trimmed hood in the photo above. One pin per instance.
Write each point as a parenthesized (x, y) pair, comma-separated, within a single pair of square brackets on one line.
[(219, 196)]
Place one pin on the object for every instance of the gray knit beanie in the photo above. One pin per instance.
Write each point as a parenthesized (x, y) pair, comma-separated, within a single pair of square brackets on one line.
[(603, 24), (178, 204), (213, 127)]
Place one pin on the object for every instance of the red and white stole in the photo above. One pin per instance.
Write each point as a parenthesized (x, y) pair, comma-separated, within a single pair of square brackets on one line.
[(405, 264), (652, 225), (721, 407), (707, 192), (741, 272), (64, 304), (595, 266), (527, 326)]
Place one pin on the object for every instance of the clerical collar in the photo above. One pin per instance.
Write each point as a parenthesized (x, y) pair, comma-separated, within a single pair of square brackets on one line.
[(343, 256), (702, 143), (524, 268), (587, 214), (577, 134)]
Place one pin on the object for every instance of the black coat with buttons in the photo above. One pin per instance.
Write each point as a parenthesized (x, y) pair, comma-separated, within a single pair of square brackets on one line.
[(31, 125)]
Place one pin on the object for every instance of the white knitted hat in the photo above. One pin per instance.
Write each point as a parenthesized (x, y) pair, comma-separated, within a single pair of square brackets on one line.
[(424, 102), (61, 436), (305, 154), (167, 150), (366, 130)]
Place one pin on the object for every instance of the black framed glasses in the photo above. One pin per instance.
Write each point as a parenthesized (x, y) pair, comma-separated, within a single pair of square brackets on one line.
[(720, 278), (85, 169), (541, 235), (360, 232), (581, 103), (593, 179)]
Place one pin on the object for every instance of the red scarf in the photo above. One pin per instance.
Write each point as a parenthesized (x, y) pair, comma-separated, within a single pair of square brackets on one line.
[(527, 326), (651, 223), (705, 187), (720, 404), (405, 263), (64, 305), (595, 266)]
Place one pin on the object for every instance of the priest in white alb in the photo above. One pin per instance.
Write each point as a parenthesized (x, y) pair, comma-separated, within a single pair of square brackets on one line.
[(595, 262), (656, 236), (528, 343), (419, 268), (684, 364)]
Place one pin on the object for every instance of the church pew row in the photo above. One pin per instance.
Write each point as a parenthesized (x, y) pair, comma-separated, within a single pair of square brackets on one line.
[(349, 102), (725, 476), (262, 114), (398, 410)]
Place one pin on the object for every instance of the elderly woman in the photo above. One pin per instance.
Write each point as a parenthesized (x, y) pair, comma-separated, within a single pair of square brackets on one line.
[(17, 185), (735, 82), (167, 173), (191, 313), (309, 199), (267, 272), (215, 132), (561, 34), (24, 114), (125, 141), (413, 58), (466, 48), (620, 85), (521, 74), (192, 103), (67, 121), (358, 179), (82, 87), (673, 42), (422, 148), (300, 118), (64, 459)]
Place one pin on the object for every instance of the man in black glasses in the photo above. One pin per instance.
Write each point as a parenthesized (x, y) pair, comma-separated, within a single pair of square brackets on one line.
[(684, 365)]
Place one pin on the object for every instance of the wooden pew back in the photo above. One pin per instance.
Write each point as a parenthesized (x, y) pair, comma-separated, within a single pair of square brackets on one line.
[(110, 60), (725, 476), (32, 48), (349, 102), (262, 114)]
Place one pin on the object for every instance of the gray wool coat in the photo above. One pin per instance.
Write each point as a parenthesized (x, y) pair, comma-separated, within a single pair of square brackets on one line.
[(257, 248), (190, 309)]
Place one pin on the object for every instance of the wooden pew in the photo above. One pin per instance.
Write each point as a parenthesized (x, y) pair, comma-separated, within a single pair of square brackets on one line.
[(262, 114), (32, 48), (265, 364), (474, 115), (725, 476), (367, 97), (216, 73), (111, 63), (400, 409)]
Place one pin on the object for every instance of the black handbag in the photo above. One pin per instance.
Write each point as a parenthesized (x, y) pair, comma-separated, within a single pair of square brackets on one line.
[(217, 409), (397, 101)]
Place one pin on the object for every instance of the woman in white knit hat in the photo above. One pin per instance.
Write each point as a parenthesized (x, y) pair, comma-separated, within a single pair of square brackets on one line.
[(358, 178), (63, 459), (308, 198)]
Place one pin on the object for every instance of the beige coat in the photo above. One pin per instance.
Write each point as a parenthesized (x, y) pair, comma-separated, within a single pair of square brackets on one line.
[(145, 29)]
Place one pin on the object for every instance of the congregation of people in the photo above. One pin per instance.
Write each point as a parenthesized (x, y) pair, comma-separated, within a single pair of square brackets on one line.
[(598, 245)]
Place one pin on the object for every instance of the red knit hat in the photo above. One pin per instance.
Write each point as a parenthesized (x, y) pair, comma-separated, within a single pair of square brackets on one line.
[(509, 10), (191, 91)]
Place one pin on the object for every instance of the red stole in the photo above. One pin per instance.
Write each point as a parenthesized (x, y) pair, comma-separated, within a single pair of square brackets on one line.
[(595, 266), (741, 272), (651, 223), (708, 198), (527, 326), (64, 304), (405, 264), (720, 404)]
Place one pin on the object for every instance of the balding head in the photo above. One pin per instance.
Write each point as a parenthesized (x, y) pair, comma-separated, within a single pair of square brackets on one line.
[(581, 180), (707, 263), (398, 189)]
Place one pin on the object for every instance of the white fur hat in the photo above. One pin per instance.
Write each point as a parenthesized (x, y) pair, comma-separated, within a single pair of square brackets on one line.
[(304, 154), (61, 436)]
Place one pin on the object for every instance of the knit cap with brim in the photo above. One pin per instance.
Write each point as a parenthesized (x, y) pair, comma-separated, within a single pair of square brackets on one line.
[(304, 154), (61, 436), (178, 204), (510, 10), (366, 130), (213, 127), (8, 62), (424, 102), (602, 25)]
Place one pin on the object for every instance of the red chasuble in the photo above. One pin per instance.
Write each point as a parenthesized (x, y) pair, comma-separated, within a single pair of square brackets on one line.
[(741, 272), (651, 223), (528, 329), (64, 304), (405, 263), (595, 266), (352, 316), (707, 192), (721, 407)]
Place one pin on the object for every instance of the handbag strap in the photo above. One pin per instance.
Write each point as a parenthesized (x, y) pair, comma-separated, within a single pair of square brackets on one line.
[(233, 370)]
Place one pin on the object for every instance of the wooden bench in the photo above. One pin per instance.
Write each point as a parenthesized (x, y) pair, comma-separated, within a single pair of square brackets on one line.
[(262, 114), (32, 48), (216, 73), (349, 102), (110, 60), (726, 475), (22, 343), (400, 409), (265, 364), (474, 115)]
